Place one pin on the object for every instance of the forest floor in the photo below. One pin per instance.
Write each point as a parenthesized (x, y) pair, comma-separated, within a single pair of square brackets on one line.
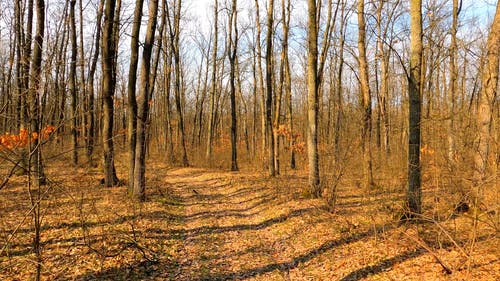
[(202, 224)]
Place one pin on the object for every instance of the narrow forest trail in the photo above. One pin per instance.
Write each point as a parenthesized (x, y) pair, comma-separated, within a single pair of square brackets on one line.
[(239, 226)]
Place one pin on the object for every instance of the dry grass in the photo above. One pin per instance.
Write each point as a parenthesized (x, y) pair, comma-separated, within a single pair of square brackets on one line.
[(202, 224)]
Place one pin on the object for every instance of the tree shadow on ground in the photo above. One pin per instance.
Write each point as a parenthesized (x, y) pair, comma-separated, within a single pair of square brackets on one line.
[(296, 261), (194, 232)]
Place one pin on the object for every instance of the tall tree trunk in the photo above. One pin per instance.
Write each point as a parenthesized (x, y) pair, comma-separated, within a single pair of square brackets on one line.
[(143, 108), (174, 28), (366, 98), (487, 97), (211, 119), (414, 194), (261, 82), (35, 118), (72, 83), (108, 90), (232, 53), (82, 85), (339, 88), (168, 111), (269, 88), (131, 88), (453, 88), (26, 39), (287, 86), (312, 99), (90, 114)]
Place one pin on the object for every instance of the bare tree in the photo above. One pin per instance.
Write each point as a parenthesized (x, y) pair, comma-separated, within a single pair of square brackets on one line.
[(365, 97), (232, 50), (108, 90), (131, 88), (175, 33), (414, 194), (269, 88), (35, 163), (287, 82), (453, 88), (143, 105), (90, 114), (312, 98), (72, 82), (487, 97), (211, 120)]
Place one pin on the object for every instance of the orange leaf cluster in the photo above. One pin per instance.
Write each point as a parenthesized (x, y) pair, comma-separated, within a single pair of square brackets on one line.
[(11, 141), (425, 149), (299, 147), (285, 131)]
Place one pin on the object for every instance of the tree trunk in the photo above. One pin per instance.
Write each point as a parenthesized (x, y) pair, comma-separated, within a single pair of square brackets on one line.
[(453, 88), (174, 45), (90, 115), (72, 83), (366, 99), (211, 119), (232, 53), (487, 97), (339, 88), (131, 88), (35, 119), (261, 82), (287, 85), (414, 194), (143, 105), (269, 88), (108, 90), (312, 99)]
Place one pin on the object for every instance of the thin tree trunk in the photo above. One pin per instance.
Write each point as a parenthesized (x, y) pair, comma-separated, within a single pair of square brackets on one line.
[(312, 99), (90, 115), (414, 194), (287, 86), (143, 105), (174, 45), (453, 88), (211, 119), (366, 98), (339, 89), (269, 88), (35, 119), (261, 82), (72, 83), (108, 90), (131, 88), (232, 53)]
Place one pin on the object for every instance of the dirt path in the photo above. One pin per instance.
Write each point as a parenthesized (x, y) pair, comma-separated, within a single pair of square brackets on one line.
[(226, 232), (244, 226)]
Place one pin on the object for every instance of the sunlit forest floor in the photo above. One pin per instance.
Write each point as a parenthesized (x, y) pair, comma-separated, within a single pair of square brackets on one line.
[(203, 224)]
